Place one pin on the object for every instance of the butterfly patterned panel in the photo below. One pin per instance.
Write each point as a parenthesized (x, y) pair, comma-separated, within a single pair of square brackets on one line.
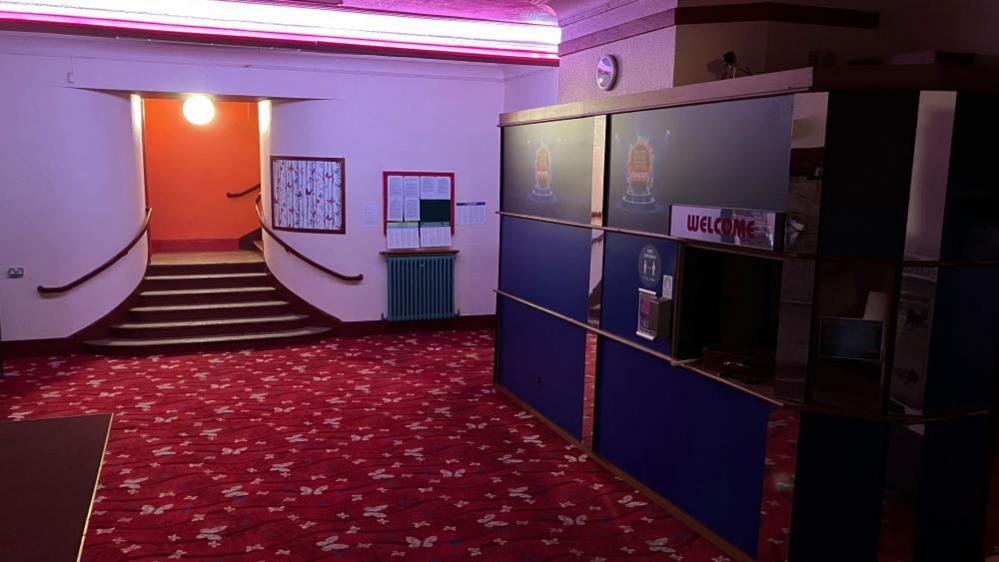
[(307, 194)]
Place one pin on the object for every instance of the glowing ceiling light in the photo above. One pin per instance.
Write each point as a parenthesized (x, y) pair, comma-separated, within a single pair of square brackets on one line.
[(298, 24), (199, 109)]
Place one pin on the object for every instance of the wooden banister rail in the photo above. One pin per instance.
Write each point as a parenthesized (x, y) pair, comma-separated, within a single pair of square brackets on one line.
[(287, 247), (247, 191), (99, 269)]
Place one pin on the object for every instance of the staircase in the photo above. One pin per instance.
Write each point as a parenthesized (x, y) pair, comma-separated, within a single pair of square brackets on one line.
[(204, 301)]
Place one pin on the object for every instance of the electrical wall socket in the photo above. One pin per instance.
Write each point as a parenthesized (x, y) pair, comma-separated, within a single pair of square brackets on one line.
[(15, 272)]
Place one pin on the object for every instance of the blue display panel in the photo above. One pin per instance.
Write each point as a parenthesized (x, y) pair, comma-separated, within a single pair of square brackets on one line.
[(548, 169), (547, 264), (733, 154), (540, 359), (699, 444), (630, 263)]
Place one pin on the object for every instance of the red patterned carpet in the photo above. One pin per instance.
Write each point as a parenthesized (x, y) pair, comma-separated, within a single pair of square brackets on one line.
[(377, 448)]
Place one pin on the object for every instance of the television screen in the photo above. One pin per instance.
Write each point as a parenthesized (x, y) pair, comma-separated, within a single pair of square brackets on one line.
[(850, 338)]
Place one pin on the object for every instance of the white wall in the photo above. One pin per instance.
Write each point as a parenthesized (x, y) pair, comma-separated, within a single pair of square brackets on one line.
[(407, 124), (71, 182), (69, 167), (530, 86)]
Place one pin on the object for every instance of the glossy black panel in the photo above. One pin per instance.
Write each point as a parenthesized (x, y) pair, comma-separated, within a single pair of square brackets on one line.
[(838, 489), (868, 171), (964, 352), (971, 227), (953, 487)]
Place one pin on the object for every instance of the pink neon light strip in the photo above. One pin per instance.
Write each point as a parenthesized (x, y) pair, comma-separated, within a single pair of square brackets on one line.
[(274, 35)]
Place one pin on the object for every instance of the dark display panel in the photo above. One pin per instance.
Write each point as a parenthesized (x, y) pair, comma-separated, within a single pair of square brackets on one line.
[(953, 490), (838, 491), (868, 172), (732, 154), (548, 169), (971, 230), (992, 522)]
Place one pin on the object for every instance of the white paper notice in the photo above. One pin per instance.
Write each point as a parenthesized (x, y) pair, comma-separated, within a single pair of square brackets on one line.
[(435, 188), (471, 212), (443, 191), (412, 189), (403, 235), (435, 235), (428, 187), (370, 217), (396, 196)]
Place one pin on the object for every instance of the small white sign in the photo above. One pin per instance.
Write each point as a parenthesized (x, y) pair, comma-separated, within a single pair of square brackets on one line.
[(471, 212), (369, 218)]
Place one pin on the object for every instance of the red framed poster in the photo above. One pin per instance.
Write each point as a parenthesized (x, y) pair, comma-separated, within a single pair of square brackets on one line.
[(425, 197)]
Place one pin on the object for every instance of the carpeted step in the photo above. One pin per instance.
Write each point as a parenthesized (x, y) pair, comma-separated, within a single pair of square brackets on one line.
[(240, 262), (241, 340), (182, 312), (209, 295), (210, 327), (204, 280)]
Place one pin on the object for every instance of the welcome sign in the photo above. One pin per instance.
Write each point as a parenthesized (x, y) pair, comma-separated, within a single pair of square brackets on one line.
[(737, 227)]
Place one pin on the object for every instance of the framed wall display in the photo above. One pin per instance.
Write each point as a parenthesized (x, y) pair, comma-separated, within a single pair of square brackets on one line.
[(424, 200), (308, 194)]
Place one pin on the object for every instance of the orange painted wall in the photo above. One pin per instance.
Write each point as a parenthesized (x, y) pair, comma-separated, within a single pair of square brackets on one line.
[(189, 169)]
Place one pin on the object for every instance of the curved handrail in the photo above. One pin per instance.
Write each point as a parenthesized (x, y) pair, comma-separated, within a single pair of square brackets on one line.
[(99, 269), (299, 255), (246, 191)]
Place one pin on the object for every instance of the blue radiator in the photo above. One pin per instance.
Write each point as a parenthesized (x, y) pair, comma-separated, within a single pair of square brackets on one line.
[(420, 287)]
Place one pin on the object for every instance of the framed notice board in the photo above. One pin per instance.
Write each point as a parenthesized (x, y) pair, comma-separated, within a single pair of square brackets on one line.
[(418, 208)]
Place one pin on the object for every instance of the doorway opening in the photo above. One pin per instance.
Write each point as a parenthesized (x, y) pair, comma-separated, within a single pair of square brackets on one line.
[(198, 158)]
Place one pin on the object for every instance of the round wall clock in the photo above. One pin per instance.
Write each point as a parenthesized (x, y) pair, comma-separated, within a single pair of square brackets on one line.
[(607, 72)]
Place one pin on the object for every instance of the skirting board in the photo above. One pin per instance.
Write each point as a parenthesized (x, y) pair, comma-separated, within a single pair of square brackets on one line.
[(714, 538), (372, 327)]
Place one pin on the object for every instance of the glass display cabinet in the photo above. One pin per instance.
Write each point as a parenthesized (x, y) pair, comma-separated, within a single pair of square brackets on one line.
[(827, 259)]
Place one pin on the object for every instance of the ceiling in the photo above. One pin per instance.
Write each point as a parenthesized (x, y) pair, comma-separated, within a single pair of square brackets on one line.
[(512, 11), (516, 31)]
